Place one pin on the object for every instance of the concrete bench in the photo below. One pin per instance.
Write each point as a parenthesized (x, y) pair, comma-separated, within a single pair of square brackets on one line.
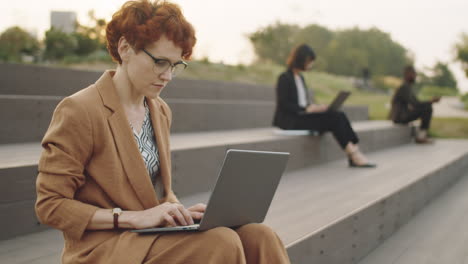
[(28, 116), (288, 132)]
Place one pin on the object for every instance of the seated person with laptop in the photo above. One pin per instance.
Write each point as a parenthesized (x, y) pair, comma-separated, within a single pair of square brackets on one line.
[(295, 112), (105, 168)]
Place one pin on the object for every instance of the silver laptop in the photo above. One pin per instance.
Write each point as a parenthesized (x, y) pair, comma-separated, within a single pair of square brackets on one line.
[(338, 101), (243, 192)]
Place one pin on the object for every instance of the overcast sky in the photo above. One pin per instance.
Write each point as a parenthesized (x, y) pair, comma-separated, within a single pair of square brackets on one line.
[(428, 28)]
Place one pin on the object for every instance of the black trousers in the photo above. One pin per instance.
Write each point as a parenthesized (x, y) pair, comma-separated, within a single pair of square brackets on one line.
[(334, 121), (422, 112)]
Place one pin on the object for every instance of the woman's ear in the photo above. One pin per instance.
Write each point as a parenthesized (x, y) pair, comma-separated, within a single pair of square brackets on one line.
[(124, 49)]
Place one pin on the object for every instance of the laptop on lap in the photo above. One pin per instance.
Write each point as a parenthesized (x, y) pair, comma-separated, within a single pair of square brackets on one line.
[(338, 101), (243, 192)]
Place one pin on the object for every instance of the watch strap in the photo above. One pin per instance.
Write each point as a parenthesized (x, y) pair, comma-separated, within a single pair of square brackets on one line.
[(116, 213)]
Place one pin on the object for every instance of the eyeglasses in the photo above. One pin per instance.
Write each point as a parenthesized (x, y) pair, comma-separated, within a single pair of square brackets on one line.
[(162, 65)]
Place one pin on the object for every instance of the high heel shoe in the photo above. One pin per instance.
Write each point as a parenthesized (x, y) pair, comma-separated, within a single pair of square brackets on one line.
[(354, 165)]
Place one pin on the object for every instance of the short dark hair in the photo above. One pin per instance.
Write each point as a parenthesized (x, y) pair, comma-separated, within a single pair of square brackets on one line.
[(408, 69), (299, 55)]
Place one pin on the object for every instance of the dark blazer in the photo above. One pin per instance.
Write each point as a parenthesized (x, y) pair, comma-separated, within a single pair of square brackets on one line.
[(404, 101), (287, 105)]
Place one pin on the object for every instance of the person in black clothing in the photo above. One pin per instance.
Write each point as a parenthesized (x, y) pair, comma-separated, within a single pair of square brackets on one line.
[(406, 107), (294, 111)]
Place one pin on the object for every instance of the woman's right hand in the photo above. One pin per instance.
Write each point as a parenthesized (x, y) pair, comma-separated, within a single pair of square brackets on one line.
[(435, 99), (315, 108), (171, 214)]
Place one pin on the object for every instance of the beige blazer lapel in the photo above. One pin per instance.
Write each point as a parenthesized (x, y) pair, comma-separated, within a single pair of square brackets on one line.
[(161, 131), (127, 147)]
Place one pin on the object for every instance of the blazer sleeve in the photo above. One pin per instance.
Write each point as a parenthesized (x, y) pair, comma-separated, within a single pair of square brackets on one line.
[(67, 147), (287, 95)]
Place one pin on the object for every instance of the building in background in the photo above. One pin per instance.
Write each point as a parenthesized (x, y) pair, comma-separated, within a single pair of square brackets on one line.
[(63, 20)]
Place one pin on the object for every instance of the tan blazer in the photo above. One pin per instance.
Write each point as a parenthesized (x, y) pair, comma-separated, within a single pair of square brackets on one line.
[(90, 160)]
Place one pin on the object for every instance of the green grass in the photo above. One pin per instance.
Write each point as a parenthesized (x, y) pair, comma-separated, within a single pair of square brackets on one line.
[(449, 128), (464, 99), (428, 92)]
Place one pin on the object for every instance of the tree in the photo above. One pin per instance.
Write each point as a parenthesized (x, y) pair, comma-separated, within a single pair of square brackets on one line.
[(273, 43), (319, 38), (345, 52), (85, 44), (59, 44), (353, 50), (95, 34), (16, 42), (461, 50), (443, 77)]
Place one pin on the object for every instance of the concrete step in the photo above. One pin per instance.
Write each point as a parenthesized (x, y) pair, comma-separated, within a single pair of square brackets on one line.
[(438, 234), (53, 81), (331, 214), (196, 160), (328, 213), (351, 213), (28, 116)]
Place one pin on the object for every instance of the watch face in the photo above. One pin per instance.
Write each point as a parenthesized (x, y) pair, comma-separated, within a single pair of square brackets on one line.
[(117, 211)]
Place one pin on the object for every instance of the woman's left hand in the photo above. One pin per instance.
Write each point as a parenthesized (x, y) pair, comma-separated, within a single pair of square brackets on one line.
[(197, 211)]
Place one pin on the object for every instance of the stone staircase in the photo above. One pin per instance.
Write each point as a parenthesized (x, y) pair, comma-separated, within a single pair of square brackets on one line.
[(324, 211)]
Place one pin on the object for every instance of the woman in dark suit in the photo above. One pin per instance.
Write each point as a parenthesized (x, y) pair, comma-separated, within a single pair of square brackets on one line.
[(295, 111)]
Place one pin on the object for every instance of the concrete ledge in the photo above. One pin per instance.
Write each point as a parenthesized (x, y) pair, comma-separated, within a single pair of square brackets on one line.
[(28, 117), (54, 81)]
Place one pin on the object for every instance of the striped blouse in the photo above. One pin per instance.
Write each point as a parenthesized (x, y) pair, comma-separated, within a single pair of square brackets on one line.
[(149, 150)]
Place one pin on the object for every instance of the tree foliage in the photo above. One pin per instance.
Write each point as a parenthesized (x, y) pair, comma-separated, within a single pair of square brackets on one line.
[(92, 36), (443, 77), (461, 50), (86, 40), (439, 76), (345, 52), (16, 42), (273, 43), (59, 44)]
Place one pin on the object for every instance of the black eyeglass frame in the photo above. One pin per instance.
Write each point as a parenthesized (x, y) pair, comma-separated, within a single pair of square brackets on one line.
[(172, 65)]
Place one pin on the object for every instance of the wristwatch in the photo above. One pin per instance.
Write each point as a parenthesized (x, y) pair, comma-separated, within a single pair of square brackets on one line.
[(116, 212)]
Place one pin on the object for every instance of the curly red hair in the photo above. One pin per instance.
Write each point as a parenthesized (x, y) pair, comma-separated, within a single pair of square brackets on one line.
[(142, 22)]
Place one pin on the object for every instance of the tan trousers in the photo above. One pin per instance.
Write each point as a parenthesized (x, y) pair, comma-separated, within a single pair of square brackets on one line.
[(248, 244)]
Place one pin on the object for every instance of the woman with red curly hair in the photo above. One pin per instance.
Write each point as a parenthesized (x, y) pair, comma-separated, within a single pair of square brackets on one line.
[(105, 168)]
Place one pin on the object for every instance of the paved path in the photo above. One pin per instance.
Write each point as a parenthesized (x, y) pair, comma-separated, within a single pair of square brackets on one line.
[(450, 106)]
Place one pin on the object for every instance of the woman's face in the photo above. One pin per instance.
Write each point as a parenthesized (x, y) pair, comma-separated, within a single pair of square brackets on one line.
[(308, 65), (146, 77)]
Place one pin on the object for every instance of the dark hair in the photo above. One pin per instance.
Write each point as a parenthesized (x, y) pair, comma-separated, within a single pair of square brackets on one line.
[(299, 56), (408, 69), (142, 22)]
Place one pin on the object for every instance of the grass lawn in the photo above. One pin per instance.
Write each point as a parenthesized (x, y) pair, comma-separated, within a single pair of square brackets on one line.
[(449, 128)]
